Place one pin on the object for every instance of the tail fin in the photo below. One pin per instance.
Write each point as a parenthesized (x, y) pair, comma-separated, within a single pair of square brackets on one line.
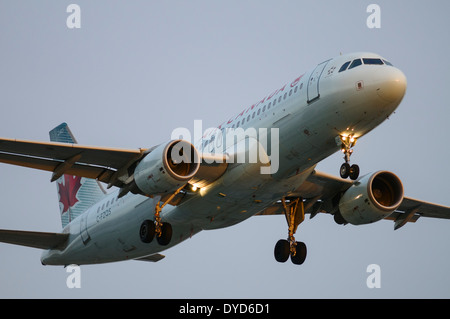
[(76, 194)]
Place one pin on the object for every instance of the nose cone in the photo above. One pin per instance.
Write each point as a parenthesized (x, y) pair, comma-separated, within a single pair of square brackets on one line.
[(391, 84)]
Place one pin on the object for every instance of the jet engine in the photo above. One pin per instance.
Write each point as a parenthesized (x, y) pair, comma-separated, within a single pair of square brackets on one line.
[(371, 198), (167, 168)]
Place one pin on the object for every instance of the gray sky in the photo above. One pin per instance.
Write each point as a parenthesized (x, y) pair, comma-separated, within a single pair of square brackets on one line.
[(134, 71)]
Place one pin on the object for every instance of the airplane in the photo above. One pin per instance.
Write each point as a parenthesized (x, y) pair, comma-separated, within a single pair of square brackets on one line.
[(166, 194)]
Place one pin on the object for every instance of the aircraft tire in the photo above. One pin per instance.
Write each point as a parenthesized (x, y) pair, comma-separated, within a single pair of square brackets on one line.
[(147, 231), (282, 251), (300, 253), (338, 219), (345, 170), (354, 172), (166, 234)]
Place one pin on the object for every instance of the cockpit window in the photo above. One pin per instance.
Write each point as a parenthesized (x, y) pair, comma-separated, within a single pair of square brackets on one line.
[(344, 66), (355, 63), (372, 61), (367, 61)]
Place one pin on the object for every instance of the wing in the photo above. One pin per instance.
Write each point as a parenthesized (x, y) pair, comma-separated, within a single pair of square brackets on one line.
[(322, 192), (109, 165), (411, 209), (105, 164), (34, 239)]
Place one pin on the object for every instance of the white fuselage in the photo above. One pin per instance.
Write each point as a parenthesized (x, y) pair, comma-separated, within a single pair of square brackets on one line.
[(310, 113)]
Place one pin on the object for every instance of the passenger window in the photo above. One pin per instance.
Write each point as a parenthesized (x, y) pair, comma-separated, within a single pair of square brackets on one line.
[(264, 108), (279, 99), (253, 116), (355, 63), (248, 118), (344, 66), (285, 95), (295, 90)]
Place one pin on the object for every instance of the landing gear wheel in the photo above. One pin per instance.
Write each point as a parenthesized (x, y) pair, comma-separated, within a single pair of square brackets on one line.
[(339, 219), (294, 212), (166, 234), (354, 172), (345, 170), (147, 231), (282, 250), (300, 253)]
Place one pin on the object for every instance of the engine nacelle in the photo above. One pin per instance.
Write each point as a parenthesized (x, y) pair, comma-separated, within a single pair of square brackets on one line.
[(371, 198), (166, 168)]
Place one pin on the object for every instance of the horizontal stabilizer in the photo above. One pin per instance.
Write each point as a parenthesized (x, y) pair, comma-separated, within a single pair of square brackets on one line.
[(34, 239)]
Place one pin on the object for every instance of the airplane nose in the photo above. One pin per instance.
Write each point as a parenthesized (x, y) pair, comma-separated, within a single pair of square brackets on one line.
[(391, 84)]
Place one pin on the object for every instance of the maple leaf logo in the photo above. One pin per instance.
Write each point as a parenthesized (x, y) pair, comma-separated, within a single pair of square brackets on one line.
[(68, 191)]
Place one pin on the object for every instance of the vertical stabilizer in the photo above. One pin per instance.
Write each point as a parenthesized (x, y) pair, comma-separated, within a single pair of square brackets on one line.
[(76, 194)]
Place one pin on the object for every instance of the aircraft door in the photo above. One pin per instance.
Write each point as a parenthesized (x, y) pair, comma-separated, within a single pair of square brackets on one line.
[(313, 92), (85, 237)]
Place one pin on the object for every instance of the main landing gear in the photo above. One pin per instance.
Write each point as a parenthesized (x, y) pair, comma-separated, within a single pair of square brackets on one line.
[(347, 143), (163, 231), (295, 214), (149, 229)]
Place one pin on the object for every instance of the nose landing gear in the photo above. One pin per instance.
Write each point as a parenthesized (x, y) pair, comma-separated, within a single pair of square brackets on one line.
[(347, 143), (295, 214)]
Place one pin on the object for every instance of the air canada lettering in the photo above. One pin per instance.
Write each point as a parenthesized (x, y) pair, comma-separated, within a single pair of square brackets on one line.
[(266, 99)]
